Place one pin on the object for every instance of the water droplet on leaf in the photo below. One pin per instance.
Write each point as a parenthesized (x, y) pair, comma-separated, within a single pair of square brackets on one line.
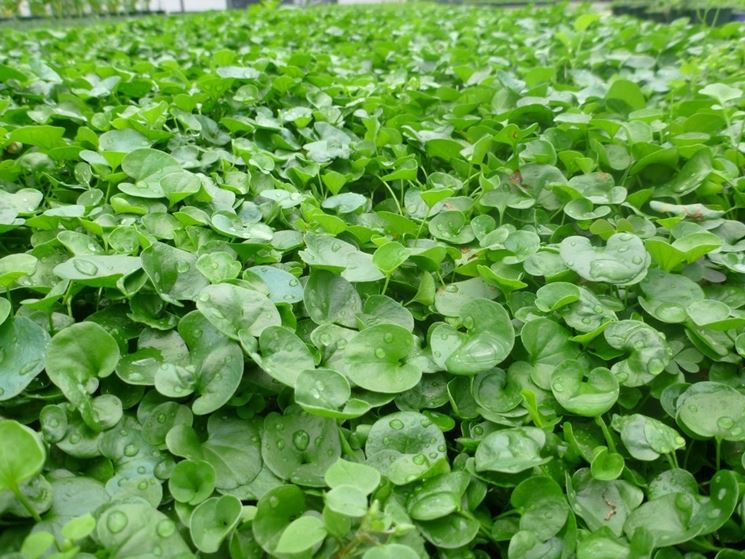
[(301, 440), (396, 424), (116, 522)]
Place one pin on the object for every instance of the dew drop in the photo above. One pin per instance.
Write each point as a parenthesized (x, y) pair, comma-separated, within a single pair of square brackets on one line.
[(452, 288), (75, 438), (85, 267), (468, 322), (683, 501), (165, 528), (656, 366), (182, 267), (162, 469), (396, 424), (388, 338), (726, 422), (28, 367), (116, 522), (301, 440), (130, 450), (280, 444), (142, 486), (161, 418), (273, 502), (419, 459), (380, 353)]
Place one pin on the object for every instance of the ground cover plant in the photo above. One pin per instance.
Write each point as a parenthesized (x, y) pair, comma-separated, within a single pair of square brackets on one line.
[(373, 282)]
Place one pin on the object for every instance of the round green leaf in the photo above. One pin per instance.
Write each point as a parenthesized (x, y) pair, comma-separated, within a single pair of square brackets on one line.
[(623, 260), (145, 162), (377, 359), (300, 447), (322, 391), (301, 535), (591, 397), (666, 295), (237, 311), (511, 450), (192, 481), (282, 285), (283, 355), (488, 340), (173, 272), (347, 500), (649, 353), (135, 529), (22, 455), (24, 344), (77, 357), (331, 298), (451, 226), (713, 409), (213, 520), (606, 465), (646, 438), (361, 476), (403, 446), (274, 512)]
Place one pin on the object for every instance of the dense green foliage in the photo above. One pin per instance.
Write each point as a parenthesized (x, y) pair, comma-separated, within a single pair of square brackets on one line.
[(379, 283)]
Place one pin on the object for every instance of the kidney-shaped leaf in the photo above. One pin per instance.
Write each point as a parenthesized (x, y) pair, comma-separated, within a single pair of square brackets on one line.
[(591, 397), (511, 450), (76, 358), (237, 311), (22, 454), (403, 446), (24, 345), (488, 339), (376, 359), (213, 520), (623, 260), (649, 353)]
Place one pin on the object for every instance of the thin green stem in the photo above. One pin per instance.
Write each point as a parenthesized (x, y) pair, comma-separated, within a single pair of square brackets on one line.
[(606, 433), (390, 191), (385, 284), (25, 502)]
